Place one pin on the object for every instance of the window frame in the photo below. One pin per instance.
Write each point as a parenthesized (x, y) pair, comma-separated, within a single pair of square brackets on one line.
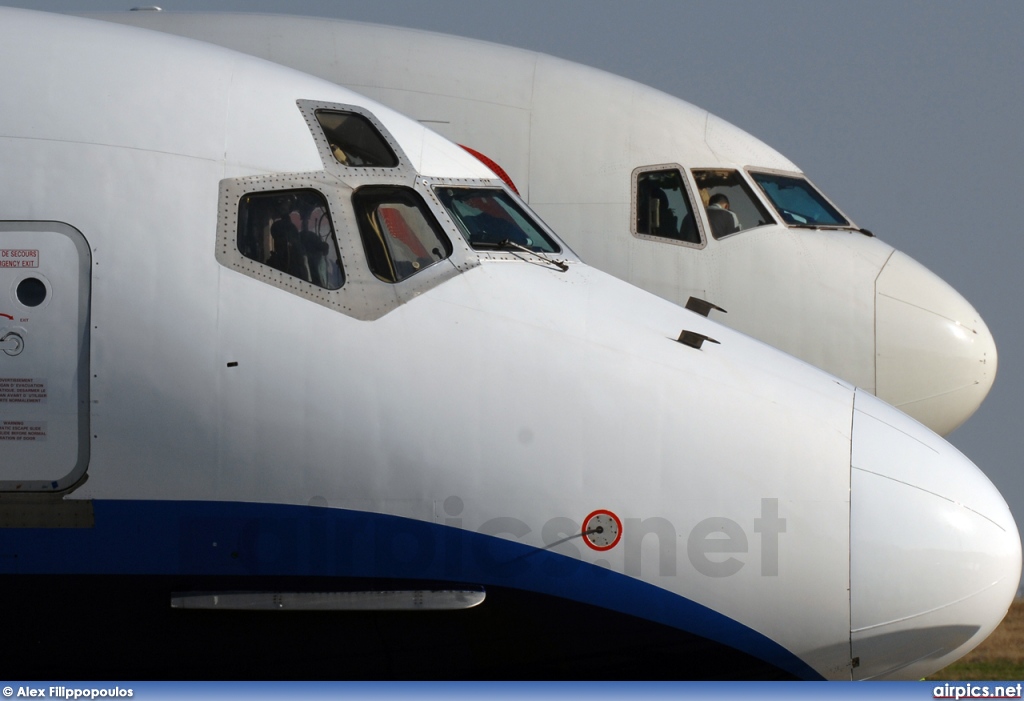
[(522, 209), (370, 192), (298, 246), (751, 170), (699, 222), (362, 296), (754, 195), (352, 174)]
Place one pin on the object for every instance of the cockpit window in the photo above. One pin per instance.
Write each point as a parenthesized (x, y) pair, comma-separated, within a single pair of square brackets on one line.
[(663, 208), (400, 235), (729, 203), (291, 231), (798, 202), (489, 218), (355, 141)]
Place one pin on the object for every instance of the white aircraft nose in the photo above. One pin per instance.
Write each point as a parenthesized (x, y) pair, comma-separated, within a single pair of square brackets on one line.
[(935, 358), (935, 556)]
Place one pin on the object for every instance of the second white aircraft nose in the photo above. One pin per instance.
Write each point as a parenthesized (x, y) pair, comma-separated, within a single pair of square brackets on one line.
[(935, 358), (935, 556)]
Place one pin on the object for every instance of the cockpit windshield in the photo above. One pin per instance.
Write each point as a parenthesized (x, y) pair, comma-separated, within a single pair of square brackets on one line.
[(798, 202), (729, 202), (489, 218)]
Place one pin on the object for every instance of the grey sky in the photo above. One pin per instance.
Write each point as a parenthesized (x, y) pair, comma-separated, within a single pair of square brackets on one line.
[(907, 115)]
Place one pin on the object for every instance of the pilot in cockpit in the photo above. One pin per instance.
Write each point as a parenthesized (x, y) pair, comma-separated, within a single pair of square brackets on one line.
[(280, 231), (723, 221)]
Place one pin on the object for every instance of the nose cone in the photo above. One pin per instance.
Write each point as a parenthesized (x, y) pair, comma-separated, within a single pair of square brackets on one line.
[(935, 358), (935, 557)]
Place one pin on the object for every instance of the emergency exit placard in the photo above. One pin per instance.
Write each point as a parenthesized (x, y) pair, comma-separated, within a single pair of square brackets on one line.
[(19, 257)]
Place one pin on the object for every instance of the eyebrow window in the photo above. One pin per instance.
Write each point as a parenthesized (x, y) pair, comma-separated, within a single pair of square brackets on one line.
[(291, 231), (355, 141), (729, 203), (400, 235), (663, 207)]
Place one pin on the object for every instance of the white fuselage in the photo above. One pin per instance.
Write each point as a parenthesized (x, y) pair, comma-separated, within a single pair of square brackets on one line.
[(214, 417), (572, 138)]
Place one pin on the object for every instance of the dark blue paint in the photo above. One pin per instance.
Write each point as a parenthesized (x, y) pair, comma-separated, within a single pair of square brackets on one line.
[(246, 539)]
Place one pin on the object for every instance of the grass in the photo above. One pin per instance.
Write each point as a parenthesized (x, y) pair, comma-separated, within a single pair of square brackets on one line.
[(1000, 657)]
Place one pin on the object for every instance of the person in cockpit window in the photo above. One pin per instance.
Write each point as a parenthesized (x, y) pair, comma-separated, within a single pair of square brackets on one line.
[(287, 256), (723, 221)]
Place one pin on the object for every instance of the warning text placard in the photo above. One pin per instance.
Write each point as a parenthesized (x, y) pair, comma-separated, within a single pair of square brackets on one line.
[(23, 431), (19, 257), (22, 390)]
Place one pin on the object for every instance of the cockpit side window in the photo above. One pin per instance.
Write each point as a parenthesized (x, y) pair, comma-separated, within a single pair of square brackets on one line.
[(291, 231), (489, 218), (400, 235), (798, 202), (729, 203), (663, 207), (355, 141)]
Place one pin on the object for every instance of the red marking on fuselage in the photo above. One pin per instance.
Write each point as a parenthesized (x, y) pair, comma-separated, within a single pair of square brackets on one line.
[(497, 169)]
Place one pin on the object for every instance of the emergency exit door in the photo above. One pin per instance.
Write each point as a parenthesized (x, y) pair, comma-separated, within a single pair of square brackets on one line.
[(44, 356)]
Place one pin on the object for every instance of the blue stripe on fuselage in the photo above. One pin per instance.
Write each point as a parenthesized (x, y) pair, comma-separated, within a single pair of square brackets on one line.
[(240, 539)]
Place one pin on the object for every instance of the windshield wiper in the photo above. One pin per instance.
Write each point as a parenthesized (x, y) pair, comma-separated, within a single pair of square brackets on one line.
[(830, 227), (506, 244)]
